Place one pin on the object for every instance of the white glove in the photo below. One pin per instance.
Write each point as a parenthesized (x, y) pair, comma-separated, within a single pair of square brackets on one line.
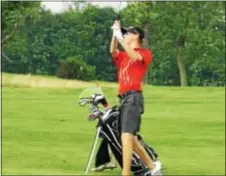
[(118, 34), (114, 32)]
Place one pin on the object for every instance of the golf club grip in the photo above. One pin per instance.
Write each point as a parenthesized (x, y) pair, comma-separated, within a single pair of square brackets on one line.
[(118, 17)]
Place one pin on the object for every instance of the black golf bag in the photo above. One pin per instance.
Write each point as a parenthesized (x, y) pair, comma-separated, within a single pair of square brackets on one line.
[(109, 131), (108, 128), (102, 155)]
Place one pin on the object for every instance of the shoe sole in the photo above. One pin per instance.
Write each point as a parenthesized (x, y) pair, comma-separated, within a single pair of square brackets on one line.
[(103, 168), (98, 170), (159, 173)]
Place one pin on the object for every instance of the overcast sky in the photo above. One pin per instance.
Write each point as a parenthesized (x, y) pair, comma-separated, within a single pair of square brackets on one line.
[(60, 6)]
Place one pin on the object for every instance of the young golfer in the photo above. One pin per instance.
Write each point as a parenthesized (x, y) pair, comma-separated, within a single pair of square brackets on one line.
[(132, 63)]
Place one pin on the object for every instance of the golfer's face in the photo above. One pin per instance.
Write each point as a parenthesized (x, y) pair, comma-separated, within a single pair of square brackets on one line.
[(128, 37)]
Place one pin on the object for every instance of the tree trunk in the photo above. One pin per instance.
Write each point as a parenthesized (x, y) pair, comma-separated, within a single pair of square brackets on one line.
[(181, 67), (10, 34), (146, 45), (29, 42), (180, 59)]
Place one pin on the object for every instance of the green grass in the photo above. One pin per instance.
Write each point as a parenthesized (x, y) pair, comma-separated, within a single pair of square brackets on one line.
[(44, 131)]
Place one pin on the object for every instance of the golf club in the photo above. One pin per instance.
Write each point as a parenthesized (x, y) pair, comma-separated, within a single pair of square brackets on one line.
[(118, 16)]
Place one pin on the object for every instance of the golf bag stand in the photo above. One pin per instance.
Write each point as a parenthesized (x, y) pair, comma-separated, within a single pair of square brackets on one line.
[(93, 149)]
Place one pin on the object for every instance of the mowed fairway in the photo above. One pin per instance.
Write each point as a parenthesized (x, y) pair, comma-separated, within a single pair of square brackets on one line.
[(44, 131)]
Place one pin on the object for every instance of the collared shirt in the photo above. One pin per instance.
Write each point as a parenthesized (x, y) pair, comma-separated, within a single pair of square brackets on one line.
[(131, 73)]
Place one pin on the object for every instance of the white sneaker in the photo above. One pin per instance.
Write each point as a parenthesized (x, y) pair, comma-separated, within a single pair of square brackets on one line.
[(157, 169)]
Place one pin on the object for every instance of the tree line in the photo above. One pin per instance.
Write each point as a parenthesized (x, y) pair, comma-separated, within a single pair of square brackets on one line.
[(187, 40)]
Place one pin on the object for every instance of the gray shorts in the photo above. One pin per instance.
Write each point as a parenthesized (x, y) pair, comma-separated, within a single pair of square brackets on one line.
[(131, 108)]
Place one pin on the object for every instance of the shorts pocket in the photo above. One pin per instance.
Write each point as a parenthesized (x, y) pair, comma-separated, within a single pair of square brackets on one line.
[(139, 102)]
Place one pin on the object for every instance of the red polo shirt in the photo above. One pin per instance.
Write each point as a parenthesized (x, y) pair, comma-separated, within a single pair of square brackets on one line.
[(131, 73)]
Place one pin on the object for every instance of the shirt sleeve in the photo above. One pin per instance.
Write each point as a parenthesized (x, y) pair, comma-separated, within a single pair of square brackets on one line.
[(146, 55), (117, 59)]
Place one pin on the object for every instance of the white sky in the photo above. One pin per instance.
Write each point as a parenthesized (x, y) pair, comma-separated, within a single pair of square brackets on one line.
[(60, 6)]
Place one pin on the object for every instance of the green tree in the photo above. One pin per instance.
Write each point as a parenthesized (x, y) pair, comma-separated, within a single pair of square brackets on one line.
[(175, 26), (14, 14), (14, 43), (186, 38)]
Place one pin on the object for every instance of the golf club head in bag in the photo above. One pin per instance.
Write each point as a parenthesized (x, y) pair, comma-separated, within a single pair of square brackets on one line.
[(93, 96)]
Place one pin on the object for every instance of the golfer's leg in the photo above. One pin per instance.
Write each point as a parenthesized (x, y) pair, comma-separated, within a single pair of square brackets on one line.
[(127, 149), (139, 149)]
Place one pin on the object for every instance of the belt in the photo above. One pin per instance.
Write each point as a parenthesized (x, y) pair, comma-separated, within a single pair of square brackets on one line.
[(122, 96)]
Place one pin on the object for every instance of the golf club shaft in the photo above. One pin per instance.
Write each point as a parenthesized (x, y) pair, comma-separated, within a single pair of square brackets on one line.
[(93, 150), (118, 16)]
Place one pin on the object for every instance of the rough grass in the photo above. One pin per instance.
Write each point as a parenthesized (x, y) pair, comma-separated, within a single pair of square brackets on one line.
[(44, 131), (28, 80)]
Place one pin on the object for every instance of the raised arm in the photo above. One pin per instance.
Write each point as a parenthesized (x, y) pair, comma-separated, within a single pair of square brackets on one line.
[(113, 45), (117, 35)]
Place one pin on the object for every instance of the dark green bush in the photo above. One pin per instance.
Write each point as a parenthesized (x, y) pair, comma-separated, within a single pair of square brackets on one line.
[(75, 68)]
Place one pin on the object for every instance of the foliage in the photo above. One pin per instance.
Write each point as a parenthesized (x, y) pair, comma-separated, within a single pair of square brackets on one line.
[(200, 26), (75, 68), (35, 40)]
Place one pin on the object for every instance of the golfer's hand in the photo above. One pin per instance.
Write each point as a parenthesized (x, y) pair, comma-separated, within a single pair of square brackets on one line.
[(117, 30), (116, 25)]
